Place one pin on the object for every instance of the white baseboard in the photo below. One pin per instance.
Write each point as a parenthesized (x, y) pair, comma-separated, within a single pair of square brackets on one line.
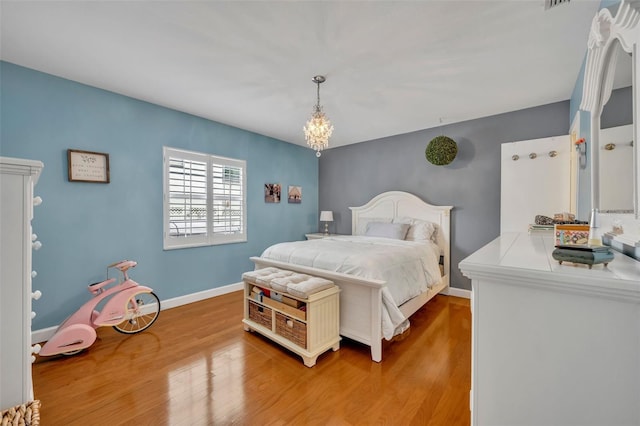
[(42, 335), (458, 292), (201, 295), (45, 334)]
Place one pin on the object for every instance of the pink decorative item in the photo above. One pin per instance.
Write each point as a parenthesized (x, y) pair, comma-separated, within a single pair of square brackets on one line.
[(131, 309)]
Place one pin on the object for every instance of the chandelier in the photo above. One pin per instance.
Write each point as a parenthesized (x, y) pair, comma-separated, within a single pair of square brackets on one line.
[(318, 129)]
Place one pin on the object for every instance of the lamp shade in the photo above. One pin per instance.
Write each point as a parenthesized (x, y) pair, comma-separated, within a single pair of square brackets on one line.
[(326, 216)]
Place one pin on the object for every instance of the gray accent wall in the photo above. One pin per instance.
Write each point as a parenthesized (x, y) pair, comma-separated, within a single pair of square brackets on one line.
[(352, 175)]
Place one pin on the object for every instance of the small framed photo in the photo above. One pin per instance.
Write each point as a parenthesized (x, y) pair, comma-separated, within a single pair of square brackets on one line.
[(272, 192), (295, 194), (87, 166)]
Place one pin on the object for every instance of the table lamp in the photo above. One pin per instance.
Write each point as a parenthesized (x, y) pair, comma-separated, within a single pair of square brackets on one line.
[(326, 216)]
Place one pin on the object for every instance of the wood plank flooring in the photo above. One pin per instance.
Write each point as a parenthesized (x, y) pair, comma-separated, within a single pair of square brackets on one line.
[(197, 366)]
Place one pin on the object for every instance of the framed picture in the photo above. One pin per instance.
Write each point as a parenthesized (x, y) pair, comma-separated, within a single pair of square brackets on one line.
[(295, 194), (272, 192), (87, 166)]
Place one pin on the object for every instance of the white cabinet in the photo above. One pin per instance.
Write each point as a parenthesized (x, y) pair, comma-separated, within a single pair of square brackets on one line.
[(552, 344), (17, 179)]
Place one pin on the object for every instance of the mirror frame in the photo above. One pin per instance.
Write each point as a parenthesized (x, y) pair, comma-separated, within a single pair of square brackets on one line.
[(598, 81)]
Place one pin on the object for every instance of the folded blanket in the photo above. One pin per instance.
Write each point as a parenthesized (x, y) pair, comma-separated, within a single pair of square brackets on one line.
[(280, 284), (305, 288)]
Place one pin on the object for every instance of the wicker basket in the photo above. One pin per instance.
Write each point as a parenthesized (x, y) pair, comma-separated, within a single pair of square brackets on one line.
[(260, 314), (22, 415), (291, 329)]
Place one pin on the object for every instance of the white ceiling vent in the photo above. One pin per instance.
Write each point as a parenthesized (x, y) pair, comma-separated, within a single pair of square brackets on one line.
[(548, 4)]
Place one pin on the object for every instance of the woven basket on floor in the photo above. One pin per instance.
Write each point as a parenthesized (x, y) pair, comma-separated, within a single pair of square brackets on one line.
[(22, 415)]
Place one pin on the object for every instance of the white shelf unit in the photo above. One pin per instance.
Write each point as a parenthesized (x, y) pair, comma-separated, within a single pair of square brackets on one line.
[(321, 322), (17, 180)]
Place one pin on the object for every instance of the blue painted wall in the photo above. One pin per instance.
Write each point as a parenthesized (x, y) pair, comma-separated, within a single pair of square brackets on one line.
[(584, 175), (86, 226)]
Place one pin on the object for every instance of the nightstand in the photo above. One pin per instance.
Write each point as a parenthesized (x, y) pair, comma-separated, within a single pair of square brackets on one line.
[(316, 236)]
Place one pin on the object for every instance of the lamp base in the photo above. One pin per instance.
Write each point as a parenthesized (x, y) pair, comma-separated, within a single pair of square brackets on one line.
[(326, 228)]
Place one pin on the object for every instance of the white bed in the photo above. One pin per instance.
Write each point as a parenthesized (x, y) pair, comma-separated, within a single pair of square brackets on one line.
[(362, 300)]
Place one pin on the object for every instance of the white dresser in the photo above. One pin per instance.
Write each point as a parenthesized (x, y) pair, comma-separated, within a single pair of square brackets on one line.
[(552, 344), (17, 179)]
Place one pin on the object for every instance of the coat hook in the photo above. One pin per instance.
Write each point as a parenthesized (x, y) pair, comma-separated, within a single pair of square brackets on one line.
[(515, 157), (610, 146), (533, 155), (553, 153)]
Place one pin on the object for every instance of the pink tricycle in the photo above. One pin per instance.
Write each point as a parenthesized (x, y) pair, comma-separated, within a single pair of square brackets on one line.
[(132, 309)]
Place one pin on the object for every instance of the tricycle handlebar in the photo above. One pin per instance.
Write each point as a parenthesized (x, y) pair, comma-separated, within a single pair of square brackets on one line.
[(123, 265)]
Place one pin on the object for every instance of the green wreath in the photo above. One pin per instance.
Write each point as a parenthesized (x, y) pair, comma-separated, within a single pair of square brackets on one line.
[(441, 151)]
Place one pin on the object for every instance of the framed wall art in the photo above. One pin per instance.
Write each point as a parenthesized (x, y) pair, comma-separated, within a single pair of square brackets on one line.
[(295, 194), (272, 192), (87, 166)]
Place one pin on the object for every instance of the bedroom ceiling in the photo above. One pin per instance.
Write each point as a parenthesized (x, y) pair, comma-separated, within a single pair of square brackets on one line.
[(391, 67)]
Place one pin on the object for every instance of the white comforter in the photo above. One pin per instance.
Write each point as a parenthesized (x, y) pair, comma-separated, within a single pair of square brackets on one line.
[(408, 267)]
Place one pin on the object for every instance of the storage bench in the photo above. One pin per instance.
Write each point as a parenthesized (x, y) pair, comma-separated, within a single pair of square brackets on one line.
[(307, 326)]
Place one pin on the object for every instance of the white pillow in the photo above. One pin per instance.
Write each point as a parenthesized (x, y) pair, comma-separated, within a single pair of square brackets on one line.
[(396, 231), (403, 219), (363, 222), (420, 230)]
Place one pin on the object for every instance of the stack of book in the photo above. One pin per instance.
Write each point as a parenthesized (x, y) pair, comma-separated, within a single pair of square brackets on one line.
[(535, 228)]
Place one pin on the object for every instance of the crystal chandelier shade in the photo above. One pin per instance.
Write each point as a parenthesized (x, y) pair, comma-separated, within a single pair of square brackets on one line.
[(318, 129)]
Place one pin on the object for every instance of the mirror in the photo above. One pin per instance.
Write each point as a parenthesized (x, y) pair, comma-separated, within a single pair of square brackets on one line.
[(615, 141), (609, 82)]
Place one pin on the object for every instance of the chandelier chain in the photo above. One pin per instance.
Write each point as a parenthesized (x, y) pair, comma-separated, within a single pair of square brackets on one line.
[(318, 96)]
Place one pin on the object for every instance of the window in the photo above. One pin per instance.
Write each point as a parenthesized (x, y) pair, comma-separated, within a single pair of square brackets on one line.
[(204, 199)]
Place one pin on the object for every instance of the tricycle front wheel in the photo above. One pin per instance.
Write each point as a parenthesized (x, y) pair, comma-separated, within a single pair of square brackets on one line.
[(142, 311)]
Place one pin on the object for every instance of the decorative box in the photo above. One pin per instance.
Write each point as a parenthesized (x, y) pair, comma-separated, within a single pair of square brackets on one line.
[(571, 234), (585, 254)]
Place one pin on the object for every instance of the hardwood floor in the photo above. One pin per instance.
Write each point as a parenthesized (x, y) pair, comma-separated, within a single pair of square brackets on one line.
[(197, 366)]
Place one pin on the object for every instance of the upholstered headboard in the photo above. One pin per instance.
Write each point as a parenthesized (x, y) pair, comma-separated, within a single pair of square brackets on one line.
[(398, 204)]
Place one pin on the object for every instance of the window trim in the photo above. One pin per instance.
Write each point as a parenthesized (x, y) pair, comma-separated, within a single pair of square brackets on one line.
[(171, 242)]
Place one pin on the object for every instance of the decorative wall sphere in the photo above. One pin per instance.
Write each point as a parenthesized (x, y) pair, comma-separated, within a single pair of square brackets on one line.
[(441, 151)]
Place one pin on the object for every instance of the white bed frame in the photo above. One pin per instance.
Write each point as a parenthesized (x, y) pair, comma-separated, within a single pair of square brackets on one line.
[(361, 298)]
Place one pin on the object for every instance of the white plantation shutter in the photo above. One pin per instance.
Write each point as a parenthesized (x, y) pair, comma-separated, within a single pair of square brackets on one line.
[(187, 197), (228, 199), (204, 199)]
